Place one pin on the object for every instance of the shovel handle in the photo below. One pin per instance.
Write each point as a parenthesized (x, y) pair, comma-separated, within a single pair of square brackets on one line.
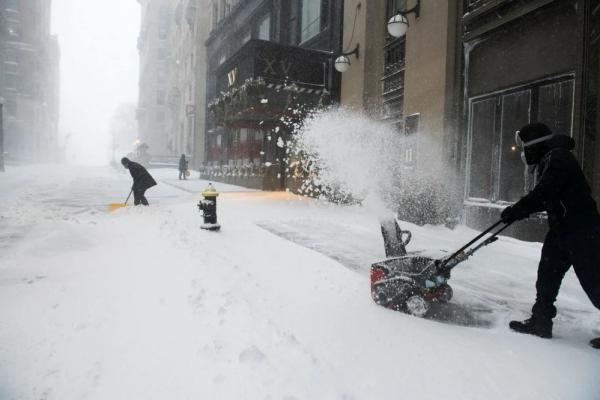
[(128, 196)]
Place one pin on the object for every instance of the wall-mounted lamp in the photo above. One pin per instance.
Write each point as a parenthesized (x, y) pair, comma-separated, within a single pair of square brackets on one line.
[(342, 63), (398, 24)]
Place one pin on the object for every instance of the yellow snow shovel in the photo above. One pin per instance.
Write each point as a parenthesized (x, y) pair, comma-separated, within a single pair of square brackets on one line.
[(115, 206)]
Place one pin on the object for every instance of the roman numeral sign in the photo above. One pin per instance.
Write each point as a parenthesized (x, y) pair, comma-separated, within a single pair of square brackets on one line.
[(232, 76)]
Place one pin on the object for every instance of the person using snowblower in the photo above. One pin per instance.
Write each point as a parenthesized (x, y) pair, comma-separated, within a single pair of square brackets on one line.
[(574, 235), (142, 180)]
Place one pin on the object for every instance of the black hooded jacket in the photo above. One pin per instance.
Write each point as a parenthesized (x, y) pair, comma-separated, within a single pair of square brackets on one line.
[(183, 164), (562, 190), (142, 180)]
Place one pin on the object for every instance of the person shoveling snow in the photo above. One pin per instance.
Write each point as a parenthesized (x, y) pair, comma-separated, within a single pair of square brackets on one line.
[(142, 180), (574, 236)]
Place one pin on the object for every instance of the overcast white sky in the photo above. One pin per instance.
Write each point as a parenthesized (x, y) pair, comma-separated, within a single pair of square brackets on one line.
[(99, 70)]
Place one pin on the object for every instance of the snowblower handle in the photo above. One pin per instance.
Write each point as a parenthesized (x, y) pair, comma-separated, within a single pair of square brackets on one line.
[(489, 240), (478, 237)]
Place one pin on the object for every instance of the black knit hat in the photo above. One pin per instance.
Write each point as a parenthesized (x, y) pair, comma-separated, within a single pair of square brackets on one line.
[(125, 161), (534, 131)]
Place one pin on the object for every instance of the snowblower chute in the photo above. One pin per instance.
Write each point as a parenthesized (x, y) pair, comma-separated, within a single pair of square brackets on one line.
[(410, 282)]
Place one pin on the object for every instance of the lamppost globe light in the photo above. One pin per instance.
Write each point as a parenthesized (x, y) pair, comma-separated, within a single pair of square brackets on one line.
[(342, 64), (398, 25)]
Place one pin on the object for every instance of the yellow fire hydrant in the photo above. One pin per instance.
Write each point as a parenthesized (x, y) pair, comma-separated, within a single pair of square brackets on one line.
[(208, 206)]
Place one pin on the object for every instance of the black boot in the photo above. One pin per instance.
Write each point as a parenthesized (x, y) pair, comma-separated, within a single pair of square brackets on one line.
[(533, 326), (595, 343)]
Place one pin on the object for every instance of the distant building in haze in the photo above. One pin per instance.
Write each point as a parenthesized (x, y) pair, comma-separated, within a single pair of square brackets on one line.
[(29, 80), (172, 77), (154, 51)]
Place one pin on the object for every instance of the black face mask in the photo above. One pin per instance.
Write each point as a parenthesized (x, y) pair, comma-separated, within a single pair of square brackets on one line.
[(533, 150)]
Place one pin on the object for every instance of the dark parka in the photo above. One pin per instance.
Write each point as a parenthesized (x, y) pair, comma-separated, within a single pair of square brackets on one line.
[(183, 164), (574, 235), (562, 190), (142, 180)]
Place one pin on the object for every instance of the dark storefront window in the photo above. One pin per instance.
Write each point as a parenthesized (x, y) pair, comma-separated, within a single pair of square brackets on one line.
[(264, 28), (556, 106), (483, 121), (311, 19), (515, 114), (496, 172)]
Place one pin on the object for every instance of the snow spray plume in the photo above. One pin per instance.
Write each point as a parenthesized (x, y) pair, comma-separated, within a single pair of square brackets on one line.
[(349, 156)]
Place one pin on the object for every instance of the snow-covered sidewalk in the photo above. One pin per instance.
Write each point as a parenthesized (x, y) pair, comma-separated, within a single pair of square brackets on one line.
[(142, 304)]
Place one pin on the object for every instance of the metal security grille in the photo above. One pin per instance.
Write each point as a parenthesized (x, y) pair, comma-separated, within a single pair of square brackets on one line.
[(393, 81)]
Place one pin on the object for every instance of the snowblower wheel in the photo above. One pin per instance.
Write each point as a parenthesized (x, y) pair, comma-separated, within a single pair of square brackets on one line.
[(380, 296), (417, 306)]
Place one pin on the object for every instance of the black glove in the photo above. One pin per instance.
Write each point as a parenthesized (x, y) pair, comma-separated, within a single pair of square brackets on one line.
[(513, 213)]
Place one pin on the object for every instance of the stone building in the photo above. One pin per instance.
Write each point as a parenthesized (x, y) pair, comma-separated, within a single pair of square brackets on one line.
[(29, 80), (466, 75), (173, 77), (266, 61), (188, 79), (154, 48)]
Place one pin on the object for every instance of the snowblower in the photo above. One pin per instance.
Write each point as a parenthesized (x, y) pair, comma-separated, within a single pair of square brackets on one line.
[(411, 282)]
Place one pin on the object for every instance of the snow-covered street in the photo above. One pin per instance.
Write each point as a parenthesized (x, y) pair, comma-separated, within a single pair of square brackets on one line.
[(143, 304)]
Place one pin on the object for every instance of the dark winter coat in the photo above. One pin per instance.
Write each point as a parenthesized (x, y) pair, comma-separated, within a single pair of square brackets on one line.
[(562, 190), (142, 180), (183, 164)]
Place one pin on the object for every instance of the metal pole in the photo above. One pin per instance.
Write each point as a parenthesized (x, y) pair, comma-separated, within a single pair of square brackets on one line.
[(1, 137)]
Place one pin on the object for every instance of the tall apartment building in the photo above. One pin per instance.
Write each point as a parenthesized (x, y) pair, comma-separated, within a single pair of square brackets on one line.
[(29, 80), (188, 79), (173, 77), (155, 69)]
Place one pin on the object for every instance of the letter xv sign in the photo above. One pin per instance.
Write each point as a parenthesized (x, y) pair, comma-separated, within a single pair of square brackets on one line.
[(279, 68), (232, 76)]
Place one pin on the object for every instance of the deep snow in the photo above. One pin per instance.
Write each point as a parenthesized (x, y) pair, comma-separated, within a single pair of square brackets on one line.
[(142, 304)]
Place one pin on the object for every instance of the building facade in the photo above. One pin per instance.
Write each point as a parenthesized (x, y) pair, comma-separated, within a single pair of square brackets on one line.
[(173, 78), (181, 95), (29, 80), (268, 61), (157, 23), (465, 77)]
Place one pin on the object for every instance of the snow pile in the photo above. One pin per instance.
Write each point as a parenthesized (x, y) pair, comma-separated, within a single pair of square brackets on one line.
[(143, 304)]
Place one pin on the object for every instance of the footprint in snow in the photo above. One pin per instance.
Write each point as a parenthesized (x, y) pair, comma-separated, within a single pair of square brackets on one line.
[(33, 280), (252, 355)]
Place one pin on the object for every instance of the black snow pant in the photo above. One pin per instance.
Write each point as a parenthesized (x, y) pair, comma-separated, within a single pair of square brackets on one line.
[(139, 198), (580, 249), (182, 175)]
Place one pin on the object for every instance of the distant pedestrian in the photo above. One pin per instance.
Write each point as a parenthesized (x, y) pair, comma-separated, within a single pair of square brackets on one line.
[(142, 180), (574, 234), (183, 167)]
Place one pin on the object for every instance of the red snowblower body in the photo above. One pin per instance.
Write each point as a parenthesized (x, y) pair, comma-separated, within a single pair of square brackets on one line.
[(411, 282)]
